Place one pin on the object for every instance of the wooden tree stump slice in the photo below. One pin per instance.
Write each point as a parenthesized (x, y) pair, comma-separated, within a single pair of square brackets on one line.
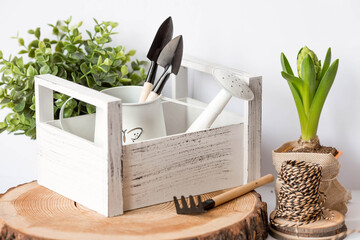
[(322, 229), (31, 211)]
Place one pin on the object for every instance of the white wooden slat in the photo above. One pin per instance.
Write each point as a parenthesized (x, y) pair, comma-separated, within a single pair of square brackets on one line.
[(73, 167), (44, 105), (183, 164), (252, 138), (203, 66), (180, 84), (114, 155), (77, 91), (84, 163)]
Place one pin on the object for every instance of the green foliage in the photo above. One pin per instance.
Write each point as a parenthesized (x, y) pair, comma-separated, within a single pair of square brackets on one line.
[(88, 61), (311, 88)]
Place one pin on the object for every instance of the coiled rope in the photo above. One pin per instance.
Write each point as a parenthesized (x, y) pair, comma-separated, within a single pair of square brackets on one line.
[(300, 200)]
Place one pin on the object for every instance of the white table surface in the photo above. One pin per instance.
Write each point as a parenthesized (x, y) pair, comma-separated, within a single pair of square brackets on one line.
[(352, 218)]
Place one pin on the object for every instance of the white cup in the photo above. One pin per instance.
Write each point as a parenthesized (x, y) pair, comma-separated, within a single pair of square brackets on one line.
[(140, 121)]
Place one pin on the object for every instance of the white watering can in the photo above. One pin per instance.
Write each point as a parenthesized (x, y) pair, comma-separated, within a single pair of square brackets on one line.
[(232, 86)]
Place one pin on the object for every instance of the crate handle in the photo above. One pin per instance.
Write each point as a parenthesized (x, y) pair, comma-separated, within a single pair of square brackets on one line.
[(108, 108)]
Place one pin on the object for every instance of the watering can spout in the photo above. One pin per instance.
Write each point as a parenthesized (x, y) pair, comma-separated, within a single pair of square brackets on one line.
[(232, 85)]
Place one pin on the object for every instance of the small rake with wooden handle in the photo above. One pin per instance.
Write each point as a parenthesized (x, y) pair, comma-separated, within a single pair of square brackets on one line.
[(202, 207)]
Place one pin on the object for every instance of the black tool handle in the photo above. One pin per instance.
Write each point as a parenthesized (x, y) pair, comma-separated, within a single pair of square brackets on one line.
[(161, 83), (152, 72)]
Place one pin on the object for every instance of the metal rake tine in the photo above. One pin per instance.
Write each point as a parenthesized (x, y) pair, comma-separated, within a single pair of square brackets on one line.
[(177, 205), (200, 205), (192, 202), (183, 202)]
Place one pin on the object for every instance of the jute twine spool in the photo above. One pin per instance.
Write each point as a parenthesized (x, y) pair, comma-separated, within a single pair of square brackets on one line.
[(300, 200)]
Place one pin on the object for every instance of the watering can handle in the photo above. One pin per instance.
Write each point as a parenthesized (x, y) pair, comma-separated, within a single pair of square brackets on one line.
[(61, 115)]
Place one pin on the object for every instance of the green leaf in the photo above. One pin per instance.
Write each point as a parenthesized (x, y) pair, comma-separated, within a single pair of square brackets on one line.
[(37, 33), (285, 64), (67, 21), (79, 24), (319, 99), (90, 108), (99, 62), (1, 54), (84, 68), (33, 44), (32, 53), (309, 84), (135, 66), (20, 62), (55, 31), (78, 39), (71, 48), (110, 78), (89, 33), (16, 70), (125, 80), (135, 79), (326, 64), (31, 31), (31, 71), (124, 70), (68, 112), (59, 46), (131, 52), (22, 52), (44, 69), (3, 125), (54, 70), (21, 41), (107, 62), (114, 24), (42, 46), (20, 106), (22, 119)]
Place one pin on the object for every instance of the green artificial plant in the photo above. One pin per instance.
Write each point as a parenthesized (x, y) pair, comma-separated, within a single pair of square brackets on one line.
[(310, 88), (87, 60)]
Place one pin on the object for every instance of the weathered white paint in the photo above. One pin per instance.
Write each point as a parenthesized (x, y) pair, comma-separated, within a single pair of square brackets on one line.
[(87, 172), (252, 113), (109, 177)]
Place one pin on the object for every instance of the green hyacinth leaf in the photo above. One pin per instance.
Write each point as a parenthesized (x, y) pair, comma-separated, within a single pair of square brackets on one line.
[(297, 82), (326, 64), (299, 107), (286, 65), (320, 97), (309, 83)]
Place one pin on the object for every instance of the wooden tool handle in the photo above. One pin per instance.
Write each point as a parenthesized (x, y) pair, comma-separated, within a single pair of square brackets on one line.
[(238, 191), (145, 91), (152, 96)]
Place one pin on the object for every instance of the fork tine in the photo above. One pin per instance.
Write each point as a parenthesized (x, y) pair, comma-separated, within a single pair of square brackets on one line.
[(192, 202), (184, 204)]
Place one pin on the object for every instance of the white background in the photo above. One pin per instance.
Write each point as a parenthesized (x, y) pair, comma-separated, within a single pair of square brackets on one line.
[(247, 35)]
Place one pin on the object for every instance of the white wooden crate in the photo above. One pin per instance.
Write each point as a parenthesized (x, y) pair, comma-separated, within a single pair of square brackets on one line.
[(110, 178)]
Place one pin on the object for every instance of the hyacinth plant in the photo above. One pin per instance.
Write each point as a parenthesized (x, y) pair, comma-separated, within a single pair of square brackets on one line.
[(309, 90)]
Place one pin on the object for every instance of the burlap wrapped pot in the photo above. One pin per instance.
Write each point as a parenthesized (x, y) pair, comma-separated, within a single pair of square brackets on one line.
[(336, 195)]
